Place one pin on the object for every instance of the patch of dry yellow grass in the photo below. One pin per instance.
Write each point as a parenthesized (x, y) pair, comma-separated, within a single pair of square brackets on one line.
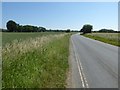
[(17, 48)]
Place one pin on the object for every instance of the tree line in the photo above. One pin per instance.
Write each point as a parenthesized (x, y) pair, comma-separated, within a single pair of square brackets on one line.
[(87, 28), (107, 31), (12, 26)]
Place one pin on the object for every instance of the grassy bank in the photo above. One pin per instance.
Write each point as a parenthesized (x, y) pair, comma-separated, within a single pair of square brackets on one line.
[(110, 38), (42, 65)]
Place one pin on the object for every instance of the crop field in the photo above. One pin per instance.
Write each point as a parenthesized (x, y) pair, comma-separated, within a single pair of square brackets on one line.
[(111, 38), (10, 37), (35, 60)]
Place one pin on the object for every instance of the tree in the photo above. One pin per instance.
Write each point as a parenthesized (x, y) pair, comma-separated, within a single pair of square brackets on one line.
[(20, 28), (106, 30), (86, 28), (43, 29), (11, 26), (68, 30)]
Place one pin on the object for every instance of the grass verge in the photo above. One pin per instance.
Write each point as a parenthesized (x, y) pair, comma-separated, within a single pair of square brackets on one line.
[(104, 39), (40, 68)]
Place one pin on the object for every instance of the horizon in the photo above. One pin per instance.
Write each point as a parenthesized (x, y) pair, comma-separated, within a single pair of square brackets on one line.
[(62, 15)]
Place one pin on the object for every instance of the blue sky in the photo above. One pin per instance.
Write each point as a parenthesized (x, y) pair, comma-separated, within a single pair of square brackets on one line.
[(62, 15)]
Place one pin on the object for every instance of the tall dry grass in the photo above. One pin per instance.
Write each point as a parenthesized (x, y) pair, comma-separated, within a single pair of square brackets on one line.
[(17, 48), (39, 62)]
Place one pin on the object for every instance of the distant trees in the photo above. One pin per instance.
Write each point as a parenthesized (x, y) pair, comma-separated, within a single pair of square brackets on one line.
[(19, 28), (42, 29), (12, 26), (106, 30), (68, 30), (86, 28)]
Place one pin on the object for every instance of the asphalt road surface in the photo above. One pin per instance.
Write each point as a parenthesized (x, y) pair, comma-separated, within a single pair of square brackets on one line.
[(94, 64)]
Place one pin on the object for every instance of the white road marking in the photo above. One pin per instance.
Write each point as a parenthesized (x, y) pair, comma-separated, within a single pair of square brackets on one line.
[(87, 86), (80, 69), (80, 75)]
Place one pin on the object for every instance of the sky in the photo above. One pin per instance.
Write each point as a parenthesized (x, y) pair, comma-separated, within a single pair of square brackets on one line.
[(62, 15), (60, 0)]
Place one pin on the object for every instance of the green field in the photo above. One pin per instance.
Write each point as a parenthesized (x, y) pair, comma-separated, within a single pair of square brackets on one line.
[(0, 59), (111, 38), (10, 37), (0, 38), (38, 60)]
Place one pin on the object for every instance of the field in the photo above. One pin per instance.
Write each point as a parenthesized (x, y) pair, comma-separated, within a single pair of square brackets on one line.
[(10, 37), (111, 38), (0, 59), (0, 39), (35, 60)]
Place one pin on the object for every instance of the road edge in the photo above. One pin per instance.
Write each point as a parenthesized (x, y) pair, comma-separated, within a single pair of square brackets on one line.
[(69, 71)]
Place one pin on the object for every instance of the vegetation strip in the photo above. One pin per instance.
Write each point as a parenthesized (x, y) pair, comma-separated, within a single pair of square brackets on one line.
[(110, 38), (10, 37), (42, 66)]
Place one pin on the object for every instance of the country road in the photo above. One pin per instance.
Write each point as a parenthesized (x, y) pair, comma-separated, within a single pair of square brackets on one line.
[(94, 64)]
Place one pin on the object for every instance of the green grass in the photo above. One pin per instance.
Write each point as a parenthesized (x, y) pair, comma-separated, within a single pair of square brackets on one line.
[(0, 60), (42, 67), (110, 38), (0, 39), (8, 37)]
